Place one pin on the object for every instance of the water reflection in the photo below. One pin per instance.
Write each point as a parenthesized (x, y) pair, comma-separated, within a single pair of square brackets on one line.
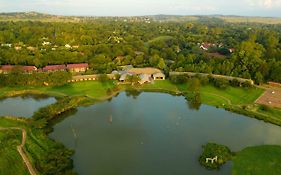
[(155, 134), (24, 106), (133, 93)]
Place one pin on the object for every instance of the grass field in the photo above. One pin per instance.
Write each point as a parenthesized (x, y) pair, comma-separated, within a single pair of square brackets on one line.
[(211, 95), (11, 162), (260, 160), (94, 89)]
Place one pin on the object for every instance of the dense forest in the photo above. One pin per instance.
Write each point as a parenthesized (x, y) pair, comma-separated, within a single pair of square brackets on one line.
[(245, 50)]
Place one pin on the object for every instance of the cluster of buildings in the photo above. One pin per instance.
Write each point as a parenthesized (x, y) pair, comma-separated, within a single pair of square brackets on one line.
[(206, 46), (18, 47), (74, 68), (146, 75)]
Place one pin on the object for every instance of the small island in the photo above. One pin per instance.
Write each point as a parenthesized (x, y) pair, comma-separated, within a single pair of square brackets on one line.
[(258, 160)]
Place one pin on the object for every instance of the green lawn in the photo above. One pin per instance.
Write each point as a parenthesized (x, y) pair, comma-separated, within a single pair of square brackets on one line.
[(260, 160), (211, 95), (11, 162), (235, 95), (94, 89)]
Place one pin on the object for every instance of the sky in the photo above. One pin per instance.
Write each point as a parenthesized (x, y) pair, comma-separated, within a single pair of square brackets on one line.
[(271, 8)]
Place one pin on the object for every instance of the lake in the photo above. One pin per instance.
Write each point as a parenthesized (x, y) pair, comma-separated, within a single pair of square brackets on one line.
[(155, 134), (24, 106)]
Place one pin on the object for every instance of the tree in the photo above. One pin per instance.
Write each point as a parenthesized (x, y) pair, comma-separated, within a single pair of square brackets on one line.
[(258, 78), (194, 85)]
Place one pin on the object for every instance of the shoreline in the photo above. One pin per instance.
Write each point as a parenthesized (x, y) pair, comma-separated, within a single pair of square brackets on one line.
[(92, 100)]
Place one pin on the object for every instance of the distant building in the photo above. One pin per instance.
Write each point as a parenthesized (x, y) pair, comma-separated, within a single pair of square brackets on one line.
[(8, 68), (158, 76), (75, 47), (231, 50), (17, 47), (146, 75), (30, 48), (67, 46), (28, 69), (144, 78), (207, 46), (83, 67), (54, 68), (6, 45), (46, 43)]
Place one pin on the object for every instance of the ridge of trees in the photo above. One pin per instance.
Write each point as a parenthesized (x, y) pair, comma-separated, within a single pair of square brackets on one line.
[(106, 44)]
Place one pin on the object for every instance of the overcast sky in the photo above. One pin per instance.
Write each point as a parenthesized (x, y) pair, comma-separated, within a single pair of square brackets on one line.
[(145, 7)]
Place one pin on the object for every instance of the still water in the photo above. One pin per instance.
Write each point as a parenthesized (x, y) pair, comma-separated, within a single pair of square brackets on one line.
[(24, 106), (155, 134)]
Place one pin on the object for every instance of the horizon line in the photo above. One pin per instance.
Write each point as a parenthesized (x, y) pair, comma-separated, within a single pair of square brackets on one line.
[(180, 15)]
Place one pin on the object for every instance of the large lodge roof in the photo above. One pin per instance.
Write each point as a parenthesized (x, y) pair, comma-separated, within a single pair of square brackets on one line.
[(147, 70)]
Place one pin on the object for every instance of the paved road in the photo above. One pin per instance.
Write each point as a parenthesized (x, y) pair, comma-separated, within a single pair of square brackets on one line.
[(21, 150)]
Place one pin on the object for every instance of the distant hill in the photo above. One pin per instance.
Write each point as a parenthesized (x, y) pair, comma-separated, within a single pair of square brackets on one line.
[(228, 18), (35, 16)]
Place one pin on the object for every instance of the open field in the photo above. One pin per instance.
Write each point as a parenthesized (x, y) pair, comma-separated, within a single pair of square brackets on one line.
[(93, 89), (211, 95), (260, 160)]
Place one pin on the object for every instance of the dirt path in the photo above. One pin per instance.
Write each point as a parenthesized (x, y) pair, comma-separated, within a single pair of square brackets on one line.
[(21, 150)]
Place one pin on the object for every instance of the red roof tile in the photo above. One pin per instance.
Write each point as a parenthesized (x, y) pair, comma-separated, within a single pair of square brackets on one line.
[(7, 67), (82, 65), (24, 68), (54, 67), (29, 68)]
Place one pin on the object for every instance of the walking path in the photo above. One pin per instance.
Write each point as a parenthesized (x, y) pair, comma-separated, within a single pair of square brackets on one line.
[(21, 150)]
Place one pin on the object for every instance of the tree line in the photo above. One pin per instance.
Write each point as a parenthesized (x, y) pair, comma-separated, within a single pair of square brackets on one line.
[(170, 46)]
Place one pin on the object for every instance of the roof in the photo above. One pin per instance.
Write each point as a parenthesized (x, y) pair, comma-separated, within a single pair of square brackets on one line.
[(82, 65), (7, 67), (25, 68), (29, 68), (159, 74), (54, 67), (147, 70), (144, 78), (123, 77)]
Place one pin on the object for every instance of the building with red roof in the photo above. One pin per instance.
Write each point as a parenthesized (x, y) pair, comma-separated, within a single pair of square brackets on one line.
[(54, 68), (75, 68), (8, 68)]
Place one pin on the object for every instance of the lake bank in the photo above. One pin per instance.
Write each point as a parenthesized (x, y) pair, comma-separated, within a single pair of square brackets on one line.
[(236, 99), (135, 92)]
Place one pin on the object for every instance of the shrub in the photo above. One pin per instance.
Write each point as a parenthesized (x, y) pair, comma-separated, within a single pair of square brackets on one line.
[(211, 150), (235, 83), (264, 108), (178, 79), (220, 83)]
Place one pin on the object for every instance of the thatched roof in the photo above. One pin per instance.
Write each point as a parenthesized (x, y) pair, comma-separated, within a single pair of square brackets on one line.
[(147, 70)]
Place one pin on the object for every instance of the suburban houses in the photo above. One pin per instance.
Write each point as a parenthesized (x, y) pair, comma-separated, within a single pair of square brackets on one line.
[(74, 68), (8, 68), (146, 75)]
